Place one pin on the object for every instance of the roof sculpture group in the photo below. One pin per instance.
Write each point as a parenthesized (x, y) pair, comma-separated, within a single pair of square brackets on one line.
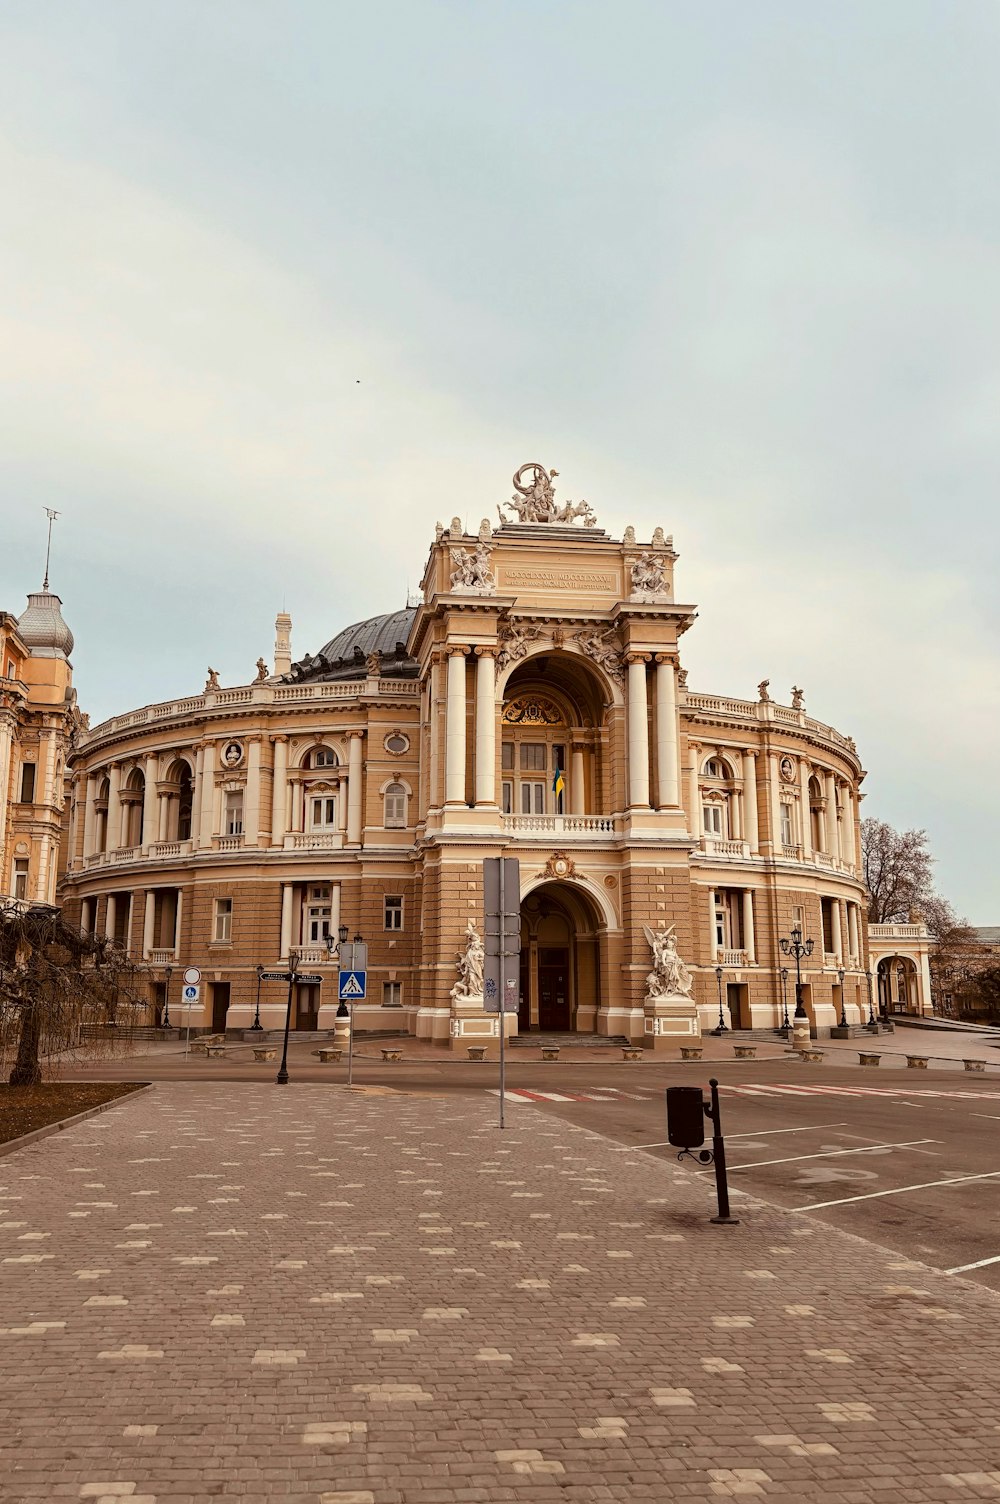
[(534, 500)]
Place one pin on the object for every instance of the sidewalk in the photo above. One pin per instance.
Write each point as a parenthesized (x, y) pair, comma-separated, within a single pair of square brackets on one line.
[(316, 1295)]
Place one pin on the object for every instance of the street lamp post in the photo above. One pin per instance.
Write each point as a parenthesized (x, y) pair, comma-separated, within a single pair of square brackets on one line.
[(721, 1026), (872, 1020), (342, 1009), (256, 1012), (281, 1079), (797, 947), (786, 1023), (843, 1001), (168, 972)]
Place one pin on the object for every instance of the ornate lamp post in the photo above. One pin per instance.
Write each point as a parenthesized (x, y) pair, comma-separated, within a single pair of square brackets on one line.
[(168, 972), (872, 1020), (786, 1021), (797, 947), (721, 1028), (281, 1079), (843, 1001), (256, 1012)]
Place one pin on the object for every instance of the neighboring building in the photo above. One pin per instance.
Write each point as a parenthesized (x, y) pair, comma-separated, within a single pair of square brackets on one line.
[(900, 963), (38, 719), (533, 704)]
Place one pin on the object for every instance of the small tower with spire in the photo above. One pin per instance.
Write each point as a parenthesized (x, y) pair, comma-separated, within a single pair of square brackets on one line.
[(282, 643)]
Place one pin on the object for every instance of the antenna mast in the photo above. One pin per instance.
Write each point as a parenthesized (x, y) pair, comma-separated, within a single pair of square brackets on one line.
[(51, 515)]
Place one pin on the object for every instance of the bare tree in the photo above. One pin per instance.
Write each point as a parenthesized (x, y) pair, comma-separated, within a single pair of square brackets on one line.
[(55, 981)]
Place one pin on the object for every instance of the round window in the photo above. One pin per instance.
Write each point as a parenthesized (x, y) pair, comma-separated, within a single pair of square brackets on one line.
[(397, 743)]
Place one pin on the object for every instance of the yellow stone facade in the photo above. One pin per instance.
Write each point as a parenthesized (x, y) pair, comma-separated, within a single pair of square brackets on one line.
[(533, 704)]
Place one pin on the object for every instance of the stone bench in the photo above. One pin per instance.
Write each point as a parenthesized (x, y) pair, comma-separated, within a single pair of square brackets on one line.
[(745, 1051), (691, 1051), (631, 1052), (550, 1052), (392, 1054), (215, 1051), (815, 1055), (866, 1057), (260, 1053), (974, 1065), (917, 1062), (476, 1051), (331, 1054)]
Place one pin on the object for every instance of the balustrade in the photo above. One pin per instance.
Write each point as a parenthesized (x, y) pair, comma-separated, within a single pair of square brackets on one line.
[(561, 825)]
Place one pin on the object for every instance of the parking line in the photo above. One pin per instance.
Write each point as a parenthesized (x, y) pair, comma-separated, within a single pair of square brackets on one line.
[(979, 1264), (910, 1143), (815, 1206), (773, 1132)]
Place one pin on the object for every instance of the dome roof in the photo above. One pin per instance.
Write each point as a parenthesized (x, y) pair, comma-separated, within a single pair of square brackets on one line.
[(42, 628), (344, 656)]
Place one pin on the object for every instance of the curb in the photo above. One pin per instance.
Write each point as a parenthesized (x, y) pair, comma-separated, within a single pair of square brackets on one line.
[(13, 1144)]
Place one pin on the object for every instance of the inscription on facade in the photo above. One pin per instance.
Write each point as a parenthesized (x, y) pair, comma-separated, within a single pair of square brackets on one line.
[(560, 579)]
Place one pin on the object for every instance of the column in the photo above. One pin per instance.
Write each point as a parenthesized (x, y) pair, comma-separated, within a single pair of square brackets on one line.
[(749, 942), (668, 793), (354, 747), (434, 739), (207, 803), (694, 798), (454, 776), (342, 788), (852, 934), (114, 807), (486, 727), (805, 820), (109, 917), (49, 792), (774, 791), (287, 899), (149, 831), (278, 791), (712, 937), (149, 924), (577, 781), (830, 786), (178, 917), (838, 933), (334, 910), (88, 815), (7, 727), (298, 805), (199, 763), (638, 733), (251, 796), (751, 832), (162, 815)]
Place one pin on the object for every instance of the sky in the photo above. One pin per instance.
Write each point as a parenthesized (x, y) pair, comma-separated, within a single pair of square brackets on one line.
[(283, 282)]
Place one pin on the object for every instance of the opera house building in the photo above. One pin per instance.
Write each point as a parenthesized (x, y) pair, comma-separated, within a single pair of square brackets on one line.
[(531, 703)]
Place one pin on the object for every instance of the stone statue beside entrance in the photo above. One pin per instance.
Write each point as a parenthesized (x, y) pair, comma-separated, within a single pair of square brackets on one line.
[(669, 977), (470, 962)]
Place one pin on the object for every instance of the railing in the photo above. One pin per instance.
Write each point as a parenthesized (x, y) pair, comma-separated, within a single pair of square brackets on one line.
[(313, 840), (162, 957), (316, 955), (559, 825), (230, 843), (714, 846), (791, 852), (233, 696), (897, 932), (732, 958), (169, 848), (767, 711), (126, 854)]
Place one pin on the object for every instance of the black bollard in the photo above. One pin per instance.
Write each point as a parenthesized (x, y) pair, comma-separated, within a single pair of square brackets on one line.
[(719, 1156)]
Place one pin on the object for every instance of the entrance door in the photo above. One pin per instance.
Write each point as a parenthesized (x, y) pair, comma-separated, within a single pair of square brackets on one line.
[(553, 988), (307, 1008), (220, 1006)]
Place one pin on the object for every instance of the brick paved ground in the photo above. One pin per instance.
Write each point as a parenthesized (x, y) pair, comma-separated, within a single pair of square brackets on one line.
[(310, 1295)]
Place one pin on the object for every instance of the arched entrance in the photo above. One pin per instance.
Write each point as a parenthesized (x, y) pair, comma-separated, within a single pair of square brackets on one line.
[(560, 961), (898, 985)]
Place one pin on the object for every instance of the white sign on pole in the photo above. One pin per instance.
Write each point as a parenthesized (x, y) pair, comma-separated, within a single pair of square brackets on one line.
[(190, 993), (192, 975)]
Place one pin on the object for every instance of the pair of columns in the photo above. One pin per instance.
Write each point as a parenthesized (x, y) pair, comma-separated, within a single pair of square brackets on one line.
[(745, 823), (352, 823), (841, 909), (749, 939), (455, 727), (288, 915), (149, 924), (666, 737)]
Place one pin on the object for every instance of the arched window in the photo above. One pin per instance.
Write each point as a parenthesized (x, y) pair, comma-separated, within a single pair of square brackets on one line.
[(715, 768), (321, 757), (395, 807)]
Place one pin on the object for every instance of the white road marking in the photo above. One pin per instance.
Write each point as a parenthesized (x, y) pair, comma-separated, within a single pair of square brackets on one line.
[(627, 1148), (815, 1206), (979, 1264), (994, 1118), (773, 1132), (754, 1164)]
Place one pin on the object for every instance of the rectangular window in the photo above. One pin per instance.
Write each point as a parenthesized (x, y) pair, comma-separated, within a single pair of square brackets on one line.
[(317, 925), (232, 824), (798, 917), (224, 919), (20, 877), (393, 913), (721, 925), (786, 825), (711, 815), (395, 807), (507, 797), (826, 906), (534, 757), (323, 812), (27, 783), (507, 756), (392, 994), (532, 798)]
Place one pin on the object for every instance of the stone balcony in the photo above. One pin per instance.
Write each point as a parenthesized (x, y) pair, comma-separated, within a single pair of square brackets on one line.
[(561, 827)]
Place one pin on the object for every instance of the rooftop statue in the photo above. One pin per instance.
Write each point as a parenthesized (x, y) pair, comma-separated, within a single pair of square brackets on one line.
[(534, 500), (472, 572)]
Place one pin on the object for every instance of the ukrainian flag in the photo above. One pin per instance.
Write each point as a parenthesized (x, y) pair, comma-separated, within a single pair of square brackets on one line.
[(558, 783)]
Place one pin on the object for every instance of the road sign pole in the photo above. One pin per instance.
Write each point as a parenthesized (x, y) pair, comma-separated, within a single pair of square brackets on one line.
[(502, 1016), (281, 1079), (350, 1047)]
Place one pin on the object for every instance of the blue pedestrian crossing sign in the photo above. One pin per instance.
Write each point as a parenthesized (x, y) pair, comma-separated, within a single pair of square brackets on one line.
[(352, 986)]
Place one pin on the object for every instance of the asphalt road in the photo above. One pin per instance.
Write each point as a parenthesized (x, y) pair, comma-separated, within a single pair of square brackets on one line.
[(909, 1160)]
